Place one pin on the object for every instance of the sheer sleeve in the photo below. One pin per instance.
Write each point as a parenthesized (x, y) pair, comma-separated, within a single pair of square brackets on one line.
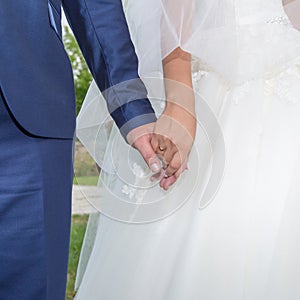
[(158, 27), (176, 24)]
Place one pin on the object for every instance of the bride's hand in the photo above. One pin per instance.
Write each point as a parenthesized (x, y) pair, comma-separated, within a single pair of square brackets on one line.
[(174, 131), (172, 140)]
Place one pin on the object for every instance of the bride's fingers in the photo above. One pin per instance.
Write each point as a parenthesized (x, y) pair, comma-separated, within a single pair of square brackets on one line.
[(167, 182), (162, 144), (169, 152), (174, 164), (181, 170), (163, 147)]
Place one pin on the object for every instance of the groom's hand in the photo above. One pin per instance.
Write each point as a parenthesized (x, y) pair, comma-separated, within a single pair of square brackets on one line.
[(140, 138)]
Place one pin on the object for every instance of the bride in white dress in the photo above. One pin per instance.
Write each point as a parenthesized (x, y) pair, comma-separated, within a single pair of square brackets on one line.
[(245, 244)]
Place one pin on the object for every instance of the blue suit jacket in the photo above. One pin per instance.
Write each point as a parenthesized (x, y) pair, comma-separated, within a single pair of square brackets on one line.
[(35, 73)]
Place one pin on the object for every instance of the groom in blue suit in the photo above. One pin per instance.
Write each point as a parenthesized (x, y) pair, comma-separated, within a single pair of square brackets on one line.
[(37, 123)]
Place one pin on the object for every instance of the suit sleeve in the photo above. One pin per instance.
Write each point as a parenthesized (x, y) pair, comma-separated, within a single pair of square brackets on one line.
[(102, 33)]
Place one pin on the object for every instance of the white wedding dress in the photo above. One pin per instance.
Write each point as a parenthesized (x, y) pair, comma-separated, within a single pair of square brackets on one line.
[(245, 244)]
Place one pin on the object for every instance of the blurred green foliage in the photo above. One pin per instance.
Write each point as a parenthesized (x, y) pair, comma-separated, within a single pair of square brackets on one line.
[(82, 75), (77, 234)]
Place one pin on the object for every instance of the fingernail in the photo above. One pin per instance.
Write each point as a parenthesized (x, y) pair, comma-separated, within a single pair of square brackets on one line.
[(155, 167)]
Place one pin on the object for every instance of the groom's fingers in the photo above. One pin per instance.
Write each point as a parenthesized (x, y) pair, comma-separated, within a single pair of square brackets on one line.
[(154, 141)]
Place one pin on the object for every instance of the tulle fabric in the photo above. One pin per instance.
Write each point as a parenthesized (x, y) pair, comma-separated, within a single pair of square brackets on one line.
[(245, 244)]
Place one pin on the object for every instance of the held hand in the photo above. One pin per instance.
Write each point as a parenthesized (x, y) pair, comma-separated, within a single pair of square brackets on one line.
[(166, 182), (172, 140), (140, 138)]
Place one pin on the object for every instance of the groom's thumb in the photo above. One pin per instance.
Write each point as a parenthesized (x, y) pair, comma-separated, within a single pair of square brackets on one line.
[(139, 138), (143, 145)]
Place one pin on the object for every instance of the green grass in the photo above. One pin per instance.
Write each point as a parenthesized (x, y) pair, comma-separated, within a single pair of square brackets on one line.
[(77, 233), (85, 180)]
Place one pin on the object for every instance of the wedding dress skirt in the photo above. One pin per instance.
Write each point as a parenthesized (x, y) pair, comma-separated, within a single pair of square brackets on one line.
[(245, 244)]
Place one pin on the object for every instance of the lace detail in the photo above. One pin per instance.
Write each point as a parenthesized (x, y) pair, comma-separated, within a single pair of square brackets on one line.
[(197, 76), (258, 8), (199, 69), (131, 192), (241, 92), (280, 20), (286, 86)]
